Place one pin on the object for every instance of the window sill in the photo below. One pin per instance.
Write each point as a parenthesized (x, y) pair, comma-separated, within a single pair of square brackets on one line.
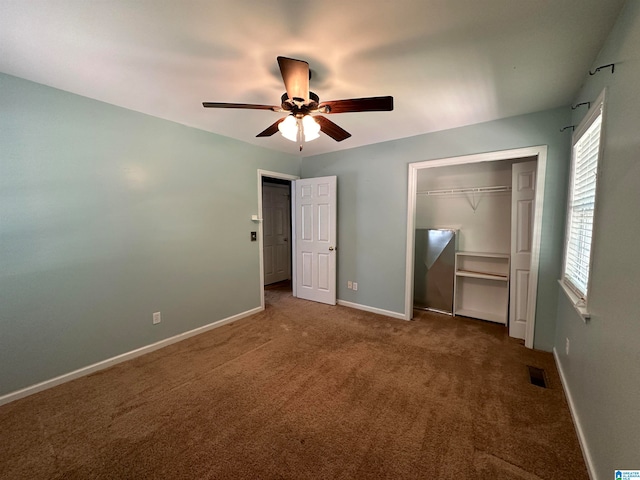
[(576, 302)]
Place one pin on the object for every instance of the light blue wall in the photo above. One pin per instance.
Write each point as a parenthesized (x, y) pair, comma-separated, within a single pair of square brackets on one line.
[(602, 370), (372, 205), (108, 215)]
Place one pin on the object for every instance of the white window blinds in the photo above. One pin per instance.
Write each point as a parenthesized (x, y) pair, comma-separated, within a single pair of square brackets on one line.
[(582, 195)]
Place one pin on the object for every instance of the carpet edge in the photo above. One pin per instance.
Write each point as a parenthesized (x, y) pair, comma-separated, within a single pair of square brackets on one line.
[(123, 357), (366, 308)]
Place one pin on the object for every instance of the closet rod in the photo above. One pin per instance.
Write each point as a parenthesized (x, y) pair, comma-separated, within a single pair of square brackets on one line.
[(458, 191)]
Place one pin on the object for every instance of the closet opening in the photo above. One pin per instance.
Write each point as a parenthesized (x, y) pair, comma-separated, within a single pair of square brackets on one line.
[(473, 237)]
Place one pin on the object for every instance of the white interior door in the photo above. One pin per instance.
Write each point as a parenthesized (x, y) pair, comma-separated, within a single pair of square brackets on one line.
[(276, 231), (315, 230), (522, 213)]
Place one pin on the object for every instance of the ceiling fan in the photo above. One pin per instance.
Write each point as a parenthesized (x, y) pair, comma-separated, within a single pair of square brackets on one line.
[(303, 122)]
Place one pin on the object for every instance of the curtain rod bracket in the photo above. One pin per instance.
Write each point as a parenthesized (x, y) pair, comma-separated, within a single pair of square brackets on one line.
[(572, 127), (612, 65), (588, 104)]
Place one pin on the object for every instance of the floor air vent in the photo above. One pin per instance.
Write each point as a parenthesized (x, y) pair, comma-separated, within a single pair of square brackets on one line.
[(536, 376)]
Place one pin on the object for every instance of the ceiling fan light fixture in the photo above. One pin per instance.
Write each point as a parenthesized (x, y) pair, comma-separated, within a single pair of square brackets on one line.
[(310, 128), (289, 128)]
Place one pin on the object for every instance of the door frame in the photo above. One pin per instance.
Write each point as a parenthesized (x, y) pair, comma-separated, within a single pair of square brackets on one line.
[(540, 152), (258, 218)]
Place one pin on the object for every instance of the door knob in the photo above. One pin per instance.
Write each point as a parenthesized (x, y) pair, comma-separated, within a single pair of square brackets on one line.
[(285, 239), (331, 249)]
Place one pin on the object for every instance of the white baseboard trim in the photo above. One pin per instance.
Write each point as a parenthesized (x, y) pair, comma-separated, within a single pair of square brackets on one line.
[(576, 420), (81, 372), (366, 308)]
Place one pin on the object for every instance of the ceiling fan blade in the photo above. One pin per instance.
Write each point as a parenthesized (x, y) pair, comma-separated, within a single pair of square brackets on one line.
[(334, 131), (271, 129), (247, 106), (295, 74), (369, 104)]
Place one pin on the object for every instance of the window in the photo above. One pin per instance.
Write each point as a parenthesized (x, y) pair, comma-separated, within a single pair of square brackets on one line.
[(586, 150)]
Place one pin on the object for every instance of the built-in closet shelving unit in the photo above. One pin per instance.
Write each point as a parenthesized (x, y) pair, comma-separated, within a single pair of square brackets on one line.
[(481, 286)]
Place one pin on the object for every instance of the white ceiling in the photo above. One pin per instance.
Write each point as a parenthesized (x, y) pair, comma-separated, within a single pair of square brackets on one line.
[(447, 63)]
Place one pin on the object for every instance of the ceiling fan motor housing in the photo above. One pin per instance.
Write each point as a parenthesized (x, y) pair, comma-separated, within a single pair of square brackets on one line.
[(297, 106)]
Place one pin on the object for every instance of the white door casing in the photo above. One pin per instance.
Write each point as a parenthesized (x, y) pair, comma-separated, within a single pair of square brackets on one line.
[(315, 232), (276, 232), (523, 177)]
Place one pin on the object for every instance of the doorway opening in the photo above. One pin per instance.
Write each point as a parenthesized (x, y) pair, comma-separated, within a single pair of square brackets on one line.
[(276, 231), (538, 154), (275, 223)]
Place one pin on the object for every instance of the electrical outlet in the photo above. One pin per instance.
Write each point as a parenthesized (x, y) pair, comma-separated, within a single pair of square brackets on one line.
[(349, 284), (157, 318), (355, 286), (566, 348)]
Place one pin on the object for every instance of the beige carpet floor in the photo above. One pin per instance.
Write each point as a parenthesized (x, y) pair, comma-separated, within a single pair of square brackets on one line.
[(305, 391)]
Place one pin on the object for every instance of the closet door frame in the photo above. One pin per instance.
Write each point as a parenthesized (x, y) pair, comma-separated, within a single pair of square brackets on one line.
[(537, 152)]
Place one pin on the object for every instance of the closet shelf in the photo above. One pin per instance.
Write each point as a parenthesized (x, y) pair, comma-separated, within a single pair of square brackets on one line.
[(486, 276), (460, 191), (483, 254), (481, 286), (482, 315)]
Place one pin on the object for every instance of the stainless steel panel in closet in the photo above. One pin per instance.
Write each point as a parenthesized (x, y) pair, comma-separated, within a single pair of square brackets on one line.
[(434, 269)]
